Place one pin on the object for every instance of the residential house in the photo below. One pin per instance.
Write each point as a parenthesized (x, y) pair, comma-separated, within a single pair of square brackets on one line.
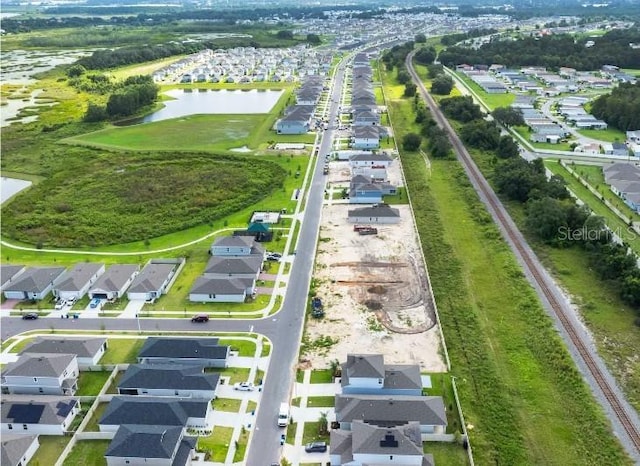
[(88, 350), (624, 181), (44, 414), (364, 190), (234, 266), (17, 450), (368, 374), (202, 351), (8, 273), (620, 148), (389, 410), (296, 121), (369, 444), (236, 246), (370, 159), (156, 411), (365, 117), (114, 282), (42, 373), (376, 174), (152, 281), (157, 445), (75, 283), (376, 214), (222, 290), (34, 283), (633, 136), (184, 380)]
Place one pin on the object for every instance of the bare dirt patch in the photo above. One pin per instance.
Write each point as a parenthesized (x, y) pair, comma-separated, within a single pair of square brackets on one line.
[(375, 294)]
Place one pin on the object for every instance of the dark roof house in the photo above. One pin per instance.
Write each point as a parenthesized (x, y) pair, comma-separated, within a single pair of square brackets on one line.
[(204, 351)]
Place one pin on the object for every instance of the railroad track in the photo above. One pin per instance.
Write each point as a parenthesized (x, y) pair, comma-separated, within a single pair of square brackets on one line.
[(533, 267)]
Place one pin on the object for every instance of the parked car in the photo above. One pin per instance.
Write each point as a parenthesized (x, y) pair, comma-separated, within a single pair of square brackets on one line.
[(200, 318), (71, 301), (60, 305), (316, 447), (30, 316), (243, 386), (283, 439), (95, 302)]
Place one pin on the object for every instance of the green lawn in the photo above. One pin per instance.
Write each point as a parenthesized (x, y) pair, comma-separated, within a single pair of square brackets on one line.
[(122, 350), (609, 134), (51, 447), (235, 374), (88, 453), (90, 383), (230, 405), (447, 454), (321, 401), (321, 376), (216, 444), (524, 132), (399, 198), (441, 385), (92, 425), (113, 388), (243, 347), (311, 433), (21, 345), (596, 205), (518, 386), (242, 442)]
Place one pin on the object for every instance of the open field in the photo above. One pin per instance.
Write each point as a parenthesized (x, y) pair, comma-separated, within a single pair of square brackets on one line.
[(505, 354), (609, 134)]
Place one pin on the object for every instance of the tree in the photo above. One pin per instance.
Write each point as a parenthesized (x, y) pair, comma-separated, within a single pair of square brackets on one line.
[(481, 134), (508, 116), (425, 55), (313, 39), (76, 71), (547, 219), (410, 90), (515, 178), (438, 144), (403, 77), (411, 142), (434, 70), (442, 85), (95, 113), (507, 148), (420, 39), (461, 108), (284, 34), (323, 424)]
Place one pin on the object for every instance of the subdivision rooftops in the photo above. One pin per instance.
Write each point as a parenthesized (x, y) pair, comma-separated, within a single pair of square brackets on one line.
[(221, 286), (370, 157), (233, 265), (153, 410), (200, 348), (152, 277), (7, 272), (36, 279), (80, 346), (363, 366), (380, 210), (145, 441), (115, 277), (76, 278), (36, 409), (39, 365), (14, 448), (391, 409), (169, 376)]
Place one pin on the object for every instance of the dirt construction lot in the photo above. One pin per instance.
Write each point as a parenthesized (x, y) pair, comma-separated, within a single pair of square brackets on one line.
[(375, 294)]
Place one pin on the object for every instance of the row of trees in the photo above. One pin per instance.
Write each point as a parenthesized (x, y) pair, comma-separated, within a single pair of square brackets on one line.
[(395, 56), (552, 52), (135, 93), (437, 141), (621, 108)]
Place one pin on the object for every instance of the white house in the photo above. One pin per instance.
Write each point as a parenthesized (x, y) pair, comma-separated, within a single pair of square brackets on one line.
[(17, 450), (75, 282), (365, 137), (221, 290), (235, 246), (34, 283), (114, 282), (152, 281), (42, 414), (88, 351), (367, 374), (42, 373), (369, 159), (155, 445)]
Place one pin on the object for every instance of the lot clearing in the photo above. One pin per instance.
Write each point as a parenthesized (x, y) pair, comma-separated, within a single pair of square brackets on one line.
[(375, 294)]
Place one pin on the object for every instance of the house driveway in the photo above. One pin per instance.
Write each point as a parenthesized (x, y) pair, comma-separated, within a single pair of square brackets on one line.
[(133, 308), (10, 304), (317, 389)]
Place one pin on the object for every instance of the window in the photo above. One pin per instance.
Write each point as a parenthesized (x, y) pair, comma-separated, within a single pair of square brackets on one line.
[(10, 426), (40, 390), (35, 379), (24, 426)]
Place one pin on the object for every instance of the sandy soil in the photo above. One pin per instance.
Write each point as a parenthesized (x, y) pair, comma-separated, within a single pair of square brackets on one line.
[(375, 293)]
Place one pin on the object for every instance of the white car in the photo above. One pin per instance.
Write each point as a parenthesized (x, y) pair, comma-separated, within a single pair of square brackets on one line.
[(243, 386), (60, 305)]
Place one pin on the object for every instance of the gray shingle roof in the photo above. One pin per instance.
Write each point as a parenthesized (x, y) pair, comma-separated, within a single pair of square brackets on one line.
[(222, 286), (235, 264), (390, 410), (39, 365), (115, 277), (77, 277), (35, 279), (153, 410), (234, 241), (201, 348), (81, 347), (169, 376), (7, 272), (36, 409), (363, 365), (151, 278), (376, 211), (365, 156), (373, 440), (14, 447), (143, 441), (405, 376)]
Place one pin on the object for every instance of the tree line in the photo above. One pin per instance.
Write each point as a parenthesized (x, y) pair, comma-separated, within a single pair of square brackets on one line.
[(552, 52), (620, 108)]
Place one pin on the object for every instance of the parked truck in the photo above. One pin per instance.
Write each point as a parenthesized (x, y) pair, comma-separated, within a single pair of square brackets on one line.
[(283, 415)]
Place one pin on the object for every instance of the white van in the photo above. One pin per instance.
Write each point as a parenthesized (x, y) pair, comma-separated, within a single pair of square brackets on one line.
[(283, 415)]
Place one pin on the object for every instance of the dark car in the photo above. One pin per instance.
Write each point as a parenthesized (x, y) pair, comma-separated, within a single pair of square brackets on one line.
[(316, 447), (200, 318), (30, 316)]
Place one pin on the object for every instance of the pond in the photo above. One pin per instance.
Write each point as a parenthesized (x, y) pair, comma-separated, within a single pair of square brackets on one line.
[(11, 187), (210, 101)]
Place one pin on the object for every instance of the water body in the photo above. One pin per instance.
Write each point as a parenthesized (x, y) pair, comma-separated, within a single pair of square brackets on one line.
[(11, 187), (209, 101)]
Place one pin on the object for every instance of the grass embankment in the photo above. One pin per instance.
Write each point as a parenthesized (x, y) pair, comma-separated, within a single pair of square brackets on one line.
[(520, 391)]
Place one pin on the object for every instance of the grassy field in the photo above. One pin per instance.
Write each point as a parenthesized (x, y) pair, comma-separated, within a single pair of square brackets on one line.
[(524, 132), (609, 134), (230, 405), (51, 446), (92, 425), (446, 454), (310, 433), (519, 389), (90, 383), (216, 444), (321, 376), (122, 350), (88, 453)]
